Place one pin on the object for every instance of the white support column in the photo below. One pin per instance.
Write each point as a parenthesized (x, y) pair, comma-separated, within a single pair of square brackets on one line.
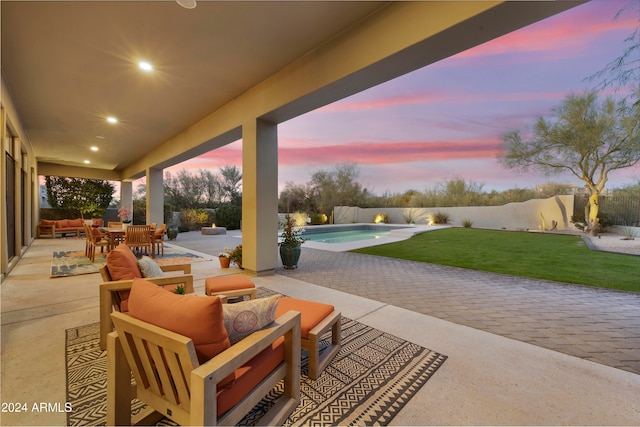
[(155, 196), (259, 197), (126, 196)]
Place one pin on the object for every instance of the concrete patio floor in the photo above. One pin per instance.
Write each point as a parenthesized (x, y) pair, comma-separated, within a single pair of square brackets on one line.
[(488, 379)]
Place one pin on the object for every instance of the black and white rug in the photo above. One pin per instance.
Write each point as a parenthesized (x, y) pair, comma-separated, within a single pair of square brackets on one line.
[(368, 382)]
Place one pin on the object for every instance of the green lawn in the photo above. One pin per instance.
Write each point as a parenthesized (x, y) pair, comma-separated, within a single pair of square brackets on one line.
[(562, 258)]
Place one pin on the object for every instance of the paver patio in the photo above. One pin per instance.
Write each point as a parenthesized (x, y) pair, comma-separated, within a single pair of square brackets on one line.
[(591, 323)]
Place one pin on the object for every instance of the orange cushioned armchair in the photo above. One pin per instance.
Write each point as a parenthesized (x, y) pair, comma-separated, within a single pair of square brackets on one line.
[(185, 368), (118, 273)]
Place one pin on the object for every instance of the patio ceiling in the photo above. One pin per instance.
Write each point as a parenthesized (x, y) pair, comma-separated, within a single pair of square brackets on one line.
[(69, 65)]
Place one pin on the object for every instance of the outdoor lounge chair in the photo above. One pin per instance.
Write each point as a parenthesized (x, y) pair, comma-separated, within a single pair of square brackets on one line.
[(114, 294), (191, 374)]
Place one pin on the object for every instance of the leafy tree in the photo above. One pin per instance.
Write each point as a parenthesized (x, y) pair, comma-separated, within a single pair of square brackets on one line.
[(296, 198), (587, 138), (231, 184), (338, 187), (90, 197), (212, 188)]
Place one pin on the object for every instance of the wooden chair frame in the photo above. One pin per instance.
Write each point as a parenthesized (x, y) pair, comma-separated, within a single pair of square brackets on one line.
[(110, 293), (139, 237), (93, 242), (158, 240), (169, 379)]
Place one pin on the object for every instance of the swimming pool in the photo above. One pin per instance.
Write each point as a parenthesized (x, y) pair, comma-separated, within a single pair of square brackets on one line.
[(345, 236), (347, 233)]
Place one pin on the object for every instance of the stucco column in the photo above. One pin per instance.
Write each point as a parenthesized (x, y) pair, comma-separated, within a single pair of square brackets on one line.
[(155, 196), (259, 197), (126, 196)]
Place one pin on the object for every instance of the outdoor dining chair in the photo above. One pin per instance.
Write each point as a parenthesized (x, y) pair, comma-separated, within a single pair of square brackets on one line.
[(139, 237)]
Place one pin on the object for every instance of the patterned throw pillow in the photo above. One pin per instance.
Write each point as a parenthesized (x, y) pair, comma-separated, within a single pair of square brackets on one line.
[(149, 268), (243, 318)]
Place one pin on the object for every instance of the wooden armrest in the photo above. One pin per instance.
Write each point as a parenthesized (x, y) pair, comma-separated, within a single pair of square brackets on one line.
[(125, 285), (219, 367), (186, 268)]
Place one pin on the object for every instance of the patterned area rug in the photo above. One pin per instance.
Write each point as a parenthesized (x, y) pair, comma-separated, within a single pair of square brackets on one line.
[(75, 263), (373, 376)]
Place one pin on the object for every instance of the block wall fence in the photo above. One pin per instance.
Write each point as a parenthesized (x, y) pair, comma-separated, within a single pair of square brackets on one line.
[(512, 216)]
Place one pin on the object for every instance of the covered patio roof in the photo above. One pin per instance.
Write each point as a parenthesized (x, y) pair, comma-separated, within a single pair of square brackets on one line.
[(69, 65), (223, 71)]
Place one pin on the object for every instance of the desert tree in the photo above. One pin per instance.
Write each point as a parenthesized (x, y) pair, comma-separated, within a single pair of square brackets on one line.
[(231, 185), (623, 73), (337, 187), (585, 137)]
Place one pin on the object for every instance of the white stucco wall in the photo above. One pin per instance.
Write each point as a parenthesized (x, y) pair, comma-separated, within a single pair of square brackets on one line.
[(512, 216)]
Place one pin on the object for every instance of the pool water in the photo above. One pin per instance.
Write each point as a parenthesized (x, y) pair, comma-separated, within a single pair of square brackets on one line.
[(345, 236)]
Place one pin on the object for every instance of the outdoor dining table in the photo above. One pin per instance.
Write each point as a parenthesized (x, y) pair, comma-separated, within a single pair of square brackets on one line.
[(116, 236)]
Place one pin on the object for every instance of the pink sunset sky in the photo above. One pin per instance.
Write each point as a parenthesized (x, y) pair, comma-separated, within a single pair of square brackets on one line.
[(446, 120)]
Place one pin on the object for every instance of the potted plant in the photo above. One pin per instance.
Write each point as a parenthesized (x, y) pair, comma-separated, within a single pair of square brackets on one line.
[(236, 255), (290, 243), (172, 233), (123, 214), (224, 258)]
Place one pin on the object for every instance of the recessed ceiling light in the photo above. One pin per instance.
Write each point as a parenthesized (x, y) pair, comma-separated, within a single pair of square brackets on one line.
[(145, 66), (94, 148), (99, 136), (86, 162), (187, 4), (112, 119)]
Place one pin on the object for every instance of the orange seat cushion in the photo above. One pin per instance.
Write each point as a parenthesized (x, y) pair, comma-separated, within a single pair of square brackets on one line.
[(76, 222), (198, 318), (227, 283), (311, 312), (122, 264), (249, 376)]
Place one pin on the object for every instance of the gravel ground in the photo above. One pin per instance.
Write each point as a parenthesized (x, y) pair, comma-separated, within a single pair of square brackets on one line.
[(615, 243)]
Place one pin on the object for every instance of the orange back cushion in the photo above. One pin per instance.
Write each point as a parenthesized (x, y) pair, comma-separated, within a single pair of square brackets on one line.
[(199, 318), (122, 264)]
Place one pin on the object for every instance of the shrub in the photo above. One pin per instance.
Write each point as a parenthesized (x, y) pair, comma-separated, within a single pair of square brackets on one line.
[(194, 219), (318, 219), (439, 218), (381, 218), (466, 223), (299, 219), (410, 215), (229, 216), (580, 223)]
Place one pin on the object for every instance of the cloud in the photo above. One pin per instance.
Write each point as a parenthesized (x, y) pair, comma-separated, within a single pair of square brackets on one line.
[(568, 33), (392, 152)]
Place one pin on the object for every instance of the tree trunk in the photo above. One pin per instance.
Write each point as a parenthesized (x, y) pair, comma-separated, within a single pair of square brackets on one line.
[(593, 226)]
